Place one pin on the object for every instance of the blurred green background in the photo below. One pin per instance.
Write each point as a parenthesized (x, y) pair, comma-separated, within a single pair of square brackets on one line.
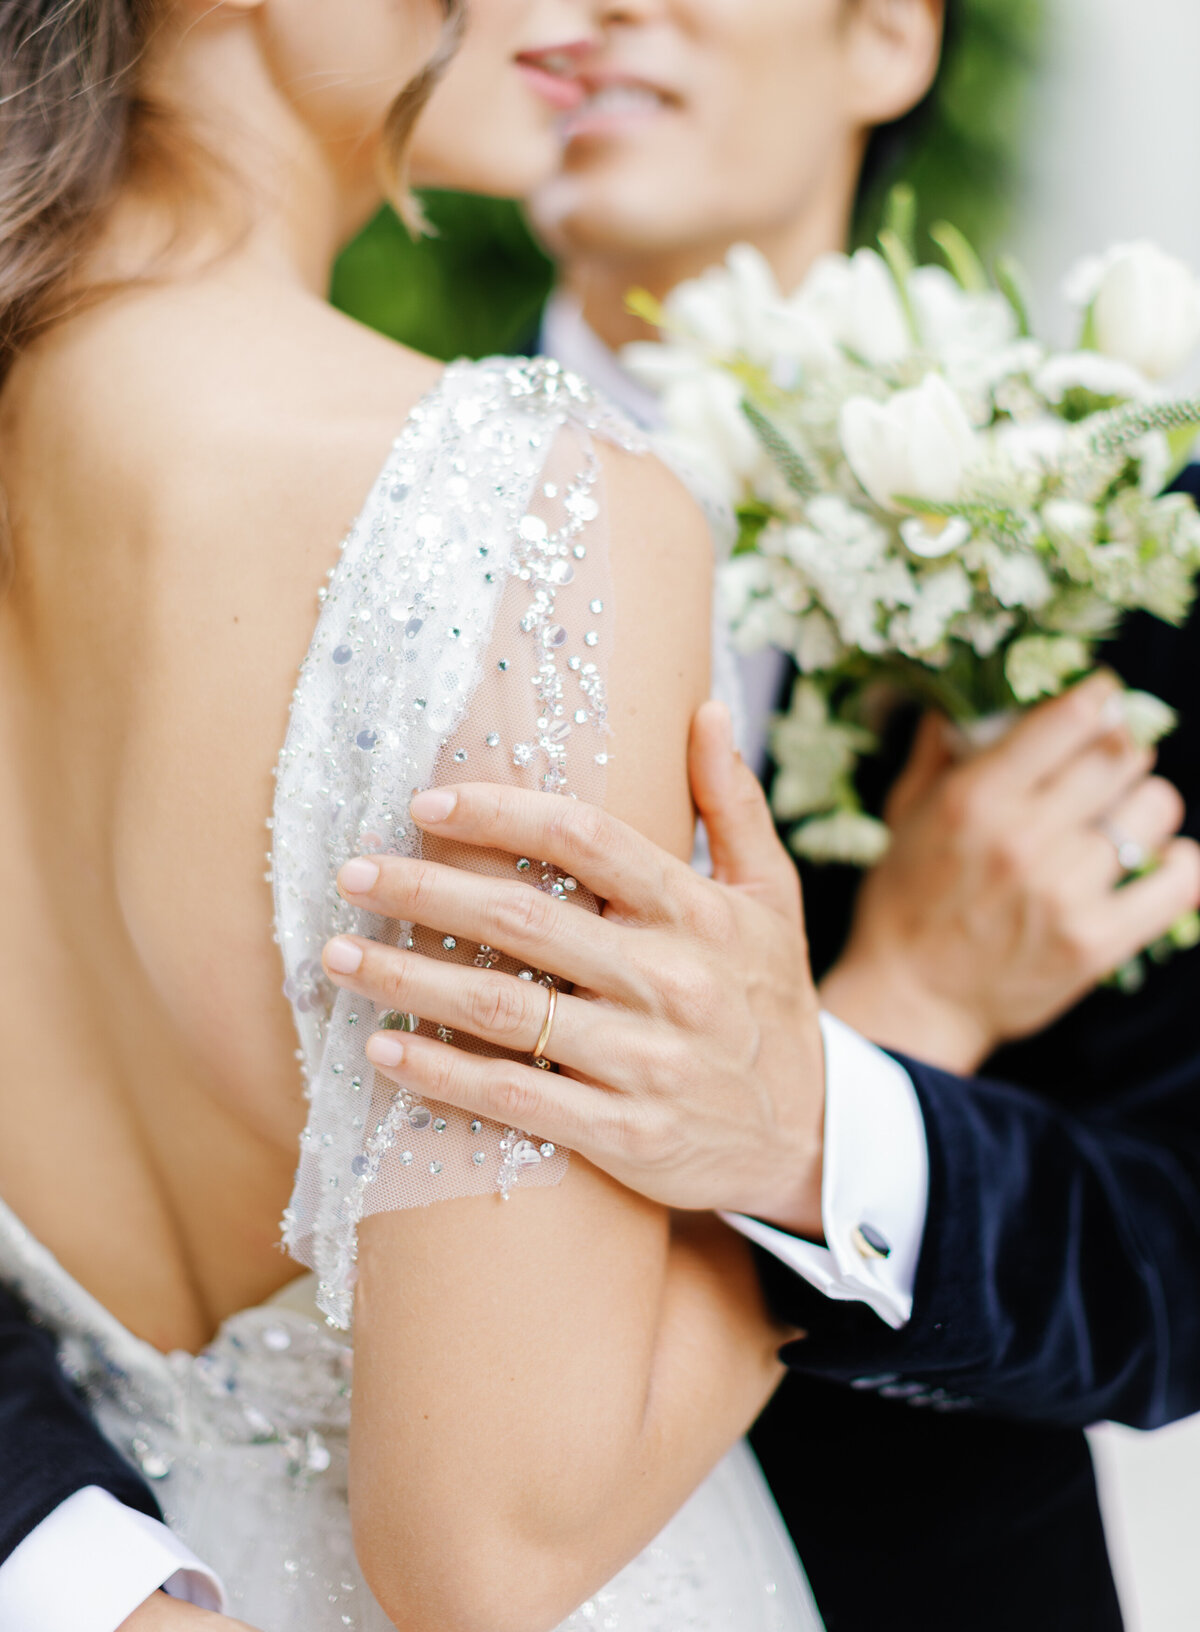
[(478, 285)]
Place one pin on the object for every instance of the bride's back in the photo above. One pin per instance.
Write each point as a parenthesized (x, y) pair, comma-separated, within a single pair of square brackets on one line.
[(179, 465), (186, 429)]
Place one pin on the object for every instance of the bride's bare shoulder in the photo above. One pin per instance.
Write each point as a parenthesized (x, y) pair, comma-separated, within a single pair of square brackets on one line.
[(218, 407)]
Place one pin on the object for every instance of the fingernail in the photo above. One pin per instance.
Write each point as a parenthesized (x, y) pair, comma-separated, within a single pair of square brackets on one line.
[(359, 876), (342, 956), (385, 1049), (1112, 714), (434, 805)]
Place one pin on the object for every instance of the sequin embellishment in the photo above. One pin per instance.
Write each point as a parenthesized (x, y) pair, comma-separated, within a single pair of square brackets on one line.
[(457, 528)]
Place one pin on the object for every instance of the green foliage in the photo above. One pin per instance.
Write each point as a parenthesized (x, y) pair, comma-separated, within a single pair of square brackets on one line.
[(477, 287)]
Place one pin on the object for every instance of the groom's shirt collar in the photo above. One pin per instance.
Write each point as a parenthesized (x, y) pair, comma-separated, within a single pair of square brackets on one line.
[(567, 336)]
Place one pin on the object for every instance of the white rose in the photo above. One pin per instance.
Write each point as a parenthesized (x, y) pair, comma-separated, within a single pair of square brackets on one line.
[(1145, 307), (854, 298), (917, 443)]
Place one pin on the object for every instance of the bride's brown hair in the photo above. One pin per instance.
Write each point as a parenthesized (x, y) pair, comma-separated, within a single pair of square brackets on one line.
[(74, 127)]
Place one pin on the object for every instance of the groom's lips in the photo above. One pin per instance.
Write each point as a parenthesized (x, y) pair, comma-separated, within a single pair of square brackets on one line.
[(615, 101)]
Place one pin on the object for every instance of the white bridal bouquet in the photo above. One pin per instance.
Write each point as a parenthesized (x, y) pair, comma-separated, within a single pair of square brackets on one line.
[(932, 500)]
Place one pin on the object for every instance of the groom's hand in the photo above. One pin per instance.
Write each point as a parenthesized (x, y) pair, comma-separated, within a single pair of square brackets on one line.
[(692, 1066), (162, 1614), (1003, 898)]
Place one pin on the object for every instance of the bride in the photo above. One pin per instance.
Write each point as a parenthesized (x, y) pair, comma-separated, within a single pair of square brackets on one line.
[(548, 1395)]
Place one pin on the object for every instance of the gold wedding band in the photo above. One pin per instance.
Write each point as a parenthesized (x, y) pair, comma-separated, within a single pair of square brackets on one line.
[(539, 1048)]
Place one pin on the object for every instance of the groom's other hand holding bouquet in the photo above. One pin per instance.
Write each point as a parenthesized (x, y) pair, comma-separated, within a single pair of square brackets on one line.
[(1003, 898)]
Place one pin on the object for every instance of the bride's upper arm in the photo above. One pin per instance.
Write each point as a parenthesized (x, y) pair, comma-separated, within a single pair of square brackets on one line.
[(499, 1343)]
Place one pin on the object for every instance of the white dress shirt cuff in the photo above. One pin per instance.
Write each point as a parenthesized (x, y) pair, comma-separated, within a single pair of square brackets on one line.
[(91, 1563), (875, 1187)]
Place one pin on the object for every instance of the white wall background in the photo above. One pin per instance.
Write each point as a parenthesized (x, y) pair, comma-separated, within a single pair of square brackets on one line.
[(1113, 154), (1114, 136)]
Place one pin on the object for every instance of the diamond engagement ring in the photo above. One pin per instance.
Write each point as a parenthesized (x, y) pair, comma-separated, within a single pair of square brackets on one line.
[(1131, 856)]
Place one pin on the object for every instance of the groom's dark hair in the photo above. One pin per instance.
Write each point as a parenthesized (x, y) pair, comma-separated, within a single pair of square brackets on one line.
[(892, 145)]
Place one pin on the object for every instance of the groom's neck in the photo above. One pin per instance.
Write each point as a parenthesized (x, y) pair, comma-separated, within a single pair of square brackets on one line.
[(601, 280)]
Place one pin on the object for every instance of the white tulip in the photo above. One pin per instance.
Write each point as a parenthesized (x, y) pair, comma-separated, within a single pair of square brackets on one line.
[(1145, 307), (725, 305), (737, 310), (954, 321), (855, 300), (917, 443), (708, 427)]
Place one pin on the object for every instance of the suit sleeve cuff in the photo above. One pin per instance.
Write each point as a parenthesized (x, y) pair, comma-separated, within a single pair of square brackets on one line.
[(91, 1563), (875, 1187)]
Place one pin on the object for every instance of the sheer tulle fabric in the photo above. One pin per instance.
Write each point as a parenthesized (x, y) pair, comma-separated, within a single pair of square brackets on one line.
[(464, 635)]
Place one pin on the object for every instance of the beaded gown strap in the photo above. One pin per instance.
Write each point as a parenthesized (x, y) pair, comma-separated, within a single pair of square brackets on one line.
[(464, 633)]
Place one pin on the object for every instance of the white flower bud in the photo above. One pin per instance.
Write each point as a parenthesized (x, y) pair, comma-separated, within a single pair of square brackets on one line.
[(917, 443), (846, 836)]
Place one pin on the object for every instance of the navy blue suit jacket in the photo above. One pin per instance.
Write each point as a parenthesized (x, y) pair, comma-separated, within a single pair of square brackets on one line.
[(49, 1446)]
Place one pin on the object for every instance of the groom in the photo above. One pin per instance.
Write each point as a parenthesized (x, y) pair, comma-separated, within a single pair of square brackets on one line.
[(931, 1471), (934, 1476)]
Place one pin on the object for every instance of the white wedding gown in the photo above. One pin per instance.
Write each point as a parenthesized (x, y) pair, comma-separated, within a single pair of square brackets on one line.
[(463, 633)]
